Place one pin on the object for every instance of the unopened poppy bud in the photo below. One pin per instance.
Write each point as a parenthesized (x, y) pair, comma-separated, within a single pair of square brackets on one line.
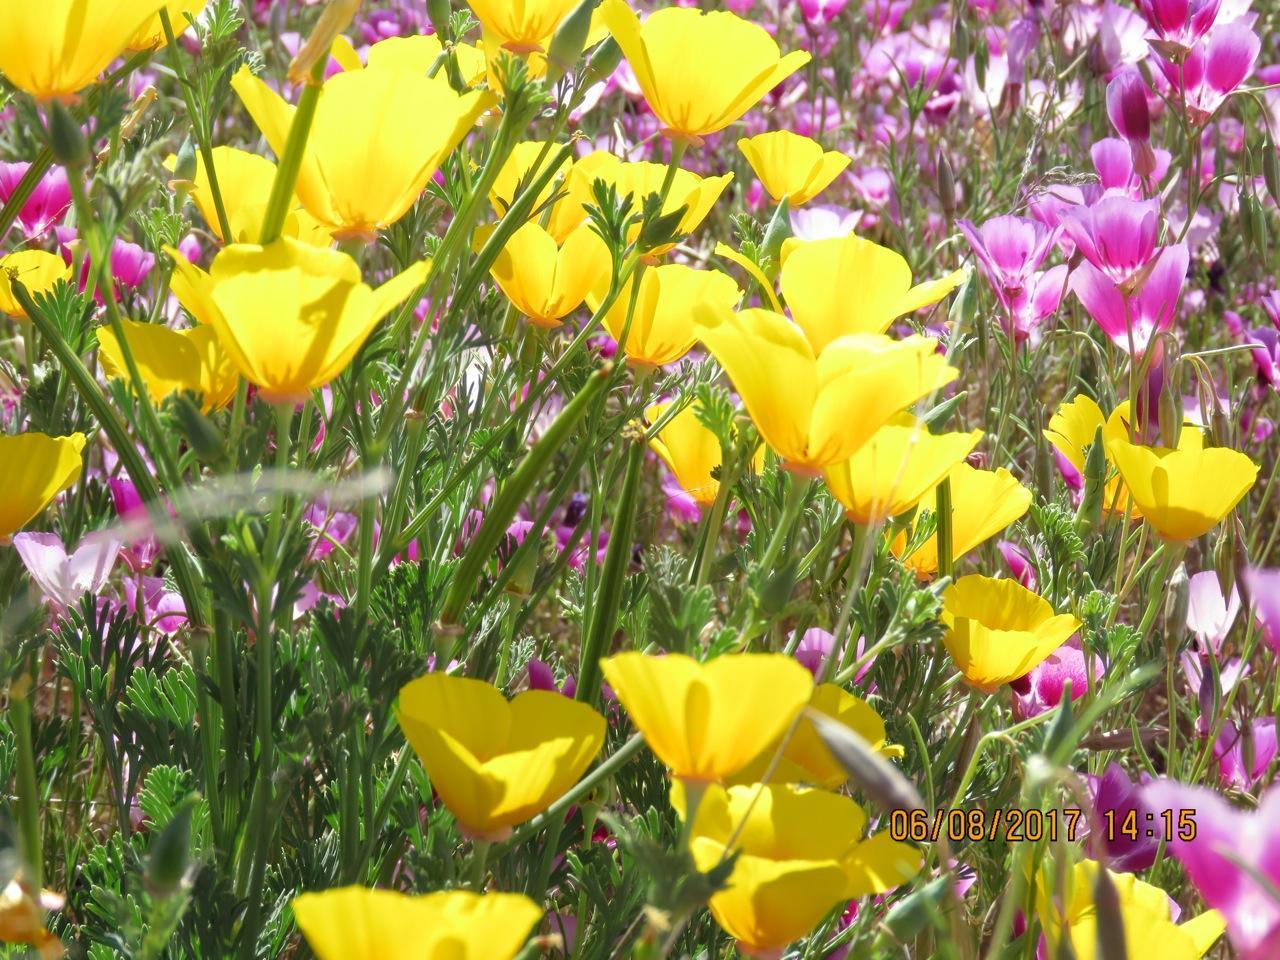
[(1177, 599), (1224, 559), (1169, 413), (337, 16), (67, 141), (1111, 942), (1089, 513), (569, 40), (946, 186), (777, 233), (184, 169), (604, 61), (170, 853), (438, 13), (1271, 168)]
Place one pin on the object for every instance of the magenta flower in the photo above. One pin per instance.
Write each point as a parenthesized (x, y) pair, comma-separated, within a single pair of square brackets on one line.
[(821, 11), (155, 606), (1230, 851), (1178, 24), (1115, 793), (1262, 587), (1113, 160), (1019, 563), (1009, 250), (1116, 235), (1212, 69), (63, 578), (1209, 614), (1244, 754), (1266, 354), (1131, 116), (1042, 689), (48, 203), (1135, 319), (1038, 301)]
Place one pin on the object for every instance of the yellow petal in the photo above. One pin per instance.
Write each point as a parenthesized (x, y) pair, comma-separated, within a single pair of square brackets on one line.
[(36, 270), (689, 450), (704, 720), (771, 366), (35, 468), (842, 285), (983, 503), (998, 630), (791, 166), (171, 361), (896, 469), (151, 34), (356, 923), (55, 48), (1184, 493)]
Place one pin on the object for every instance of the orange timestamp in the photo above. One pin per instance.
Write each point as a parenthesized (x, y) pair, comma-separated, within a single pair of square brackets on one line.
[(1014, 825)]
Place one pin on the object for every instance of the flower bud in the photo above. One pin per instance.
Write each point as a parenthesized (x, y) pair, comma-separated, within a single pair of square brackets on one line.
[(946, 186), (1127, 106), (67, 141), (604, 61), (1177, 599), (1089, 513), (337, 16), (170, 853), (569, 40), (438, 13)]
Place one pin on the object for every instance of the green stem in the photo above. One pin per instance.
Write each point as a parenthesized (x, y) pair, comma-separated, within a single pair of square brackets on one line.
[(616, 561), (295, 146), (29, 800), (198, 126), (945, 539)]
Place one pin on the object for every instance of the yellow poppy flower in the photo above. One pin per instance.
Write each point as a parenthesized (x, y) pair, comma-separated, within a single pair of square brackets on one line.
[(792, 166), (848, 284), (706, 721), (496, 763), (699, 71), (805, 758), (1183, 493), (356, 923), (661, 329), (983, 502), (367, 160), (695, 194), (896, 469), (520, 169), (691, 451), (800, 854), (291, 317), (1071, 431), (1149, 927), (36, 270), (521, 26), (171, 361), (55, 48), (546, 281), (817, 411), (244, 180), (998, 630), (34, 468), (151, 33)]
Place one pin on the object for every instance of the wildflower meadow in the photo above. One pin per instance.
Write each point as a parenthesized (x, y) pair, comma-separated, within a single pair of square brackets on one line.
[(588, 479)]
